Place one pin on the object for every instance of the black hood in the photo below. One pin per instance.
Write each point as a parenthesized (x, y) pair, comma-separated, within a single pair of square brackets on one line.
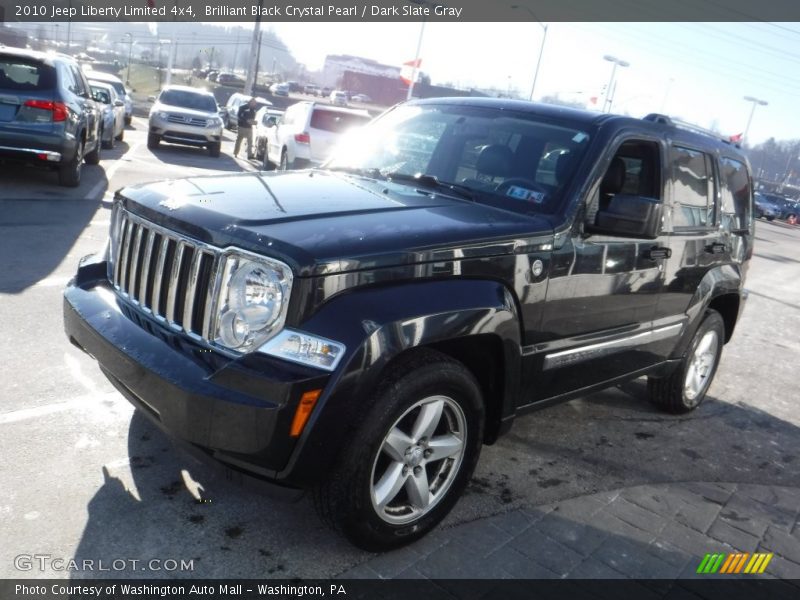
[(323, 222)]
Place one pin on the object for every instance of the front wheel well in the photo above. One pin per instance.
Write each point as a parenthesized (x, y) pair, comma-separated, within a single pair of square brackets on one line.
[(727, 305), (483, 356)]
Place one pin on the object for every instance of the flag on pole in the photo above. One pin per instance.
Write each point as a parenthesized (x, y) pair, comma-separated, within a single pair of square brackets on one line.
[(736, 138), (407, 70)]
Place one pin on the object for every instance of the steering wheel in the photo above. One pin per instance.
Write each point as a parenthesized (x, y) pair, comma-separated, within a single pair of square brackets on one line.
[(522, 182)]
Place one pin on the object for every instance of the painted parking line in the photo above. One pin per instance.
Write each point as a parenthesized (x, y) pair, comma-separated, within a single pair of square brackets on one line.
[(77, 403), (97, 190)]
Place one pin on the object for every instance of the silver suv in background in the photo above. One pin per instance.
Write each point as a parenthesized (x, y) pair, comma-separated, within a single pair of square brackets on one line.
[(47, 115), (185, 115), (307, 133)]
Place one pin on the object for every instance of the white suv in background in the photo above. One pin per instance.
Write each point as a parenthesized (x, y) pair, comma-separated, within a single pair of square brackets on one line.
[(118, 86), (307, 132)]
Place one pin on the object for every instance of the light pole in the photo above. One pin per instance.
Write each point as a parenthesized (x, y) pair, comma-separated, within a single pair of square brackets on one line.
[(609, 93), (130, 53), (410, 92), (756, 102), (541, 48)]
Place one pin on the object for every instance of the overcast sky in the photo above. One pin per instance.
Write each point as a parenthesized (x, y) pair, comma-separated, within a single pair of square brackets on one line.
[(697, 71)]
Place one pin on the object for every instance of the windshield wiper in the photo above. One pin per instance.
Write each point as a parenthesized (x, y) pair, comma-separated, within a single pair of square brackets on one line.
[(431, 181), (364, 172)]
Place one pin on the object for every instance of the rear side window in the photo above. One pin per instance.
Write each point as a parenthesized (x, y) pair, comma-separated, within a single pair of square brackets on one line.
[(693, 188), (335, 121), (22, 75), (736, 191)]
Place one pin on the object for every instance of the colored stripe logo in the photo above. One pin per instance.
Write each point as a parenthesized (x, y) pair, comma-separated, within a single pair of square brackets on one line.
[(738, 562)]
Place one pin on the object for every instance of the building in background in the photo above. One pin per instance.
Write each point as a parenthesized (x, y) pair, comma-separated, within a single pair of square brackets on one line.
[(337, 64)]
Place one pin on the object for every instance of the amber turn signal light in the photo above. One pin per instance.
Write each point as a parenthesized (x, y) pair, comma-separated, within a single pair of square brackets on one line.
[(304, 408)]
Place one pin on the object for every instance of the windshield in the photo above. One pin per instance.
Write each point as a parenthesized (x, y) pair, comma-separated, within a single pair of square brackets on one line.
[(190, 100), (512, 158)]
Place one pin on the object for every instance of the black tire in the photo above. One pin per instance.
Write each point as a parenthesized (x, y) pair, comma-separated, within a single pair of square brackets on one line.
[(213, 150), (109, 145), (93, 157), (675, 393), (284, 164), (153, 141), (128, 120), (121, 135), (70, 174), (770, 218), (348, 500)]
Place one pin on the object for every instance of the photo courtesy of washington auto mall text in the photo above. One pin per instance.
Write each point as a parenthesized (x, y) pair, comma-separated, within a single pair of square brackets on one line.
[(165, 589)]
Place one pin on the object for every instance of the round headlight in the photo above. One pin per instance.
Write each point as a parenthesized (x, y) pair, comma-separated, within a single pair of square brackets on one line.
[(253, 301), (256, 291), (163, 115)]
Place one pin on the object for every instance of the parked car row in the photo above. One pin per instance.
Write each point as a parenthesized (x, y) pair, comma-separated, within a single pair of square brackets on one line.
[(772, 206), (54, 114), (119, 88), (112, 125)]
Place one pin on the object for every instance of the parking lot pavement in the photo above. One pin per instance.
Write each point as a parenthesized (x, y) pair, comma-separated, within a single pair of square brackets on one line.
[(600, 486), (651, 532), (129, 162)]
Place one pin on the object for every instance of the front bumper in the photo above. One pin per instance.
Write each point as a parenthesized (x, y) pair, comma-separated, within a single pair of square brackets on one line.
[(190, 135), (235, 411)]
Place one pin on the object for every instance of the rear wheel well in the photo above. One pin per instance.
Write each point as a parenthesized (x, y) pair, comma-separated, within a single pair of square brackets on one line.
[(727, 306)]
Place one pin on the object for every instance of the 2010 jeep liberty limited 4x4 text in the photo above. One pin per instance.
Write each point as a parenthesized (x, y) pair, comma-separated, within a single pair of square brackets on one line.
[(361, 330)]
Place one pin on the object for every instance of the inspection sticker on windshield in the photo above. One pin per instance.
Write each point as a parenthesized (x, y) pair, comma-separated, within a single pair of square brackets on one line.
[(521, 193)]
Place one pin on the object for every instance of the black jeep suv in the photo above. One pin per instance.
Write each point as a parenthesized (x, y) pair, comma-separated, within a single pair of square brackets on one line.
[(47, 115), (362, 329)]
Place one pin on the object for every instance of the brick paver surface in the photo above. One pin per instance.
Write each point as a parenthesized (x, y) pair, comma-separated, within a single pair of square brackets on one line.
[(646, 532)]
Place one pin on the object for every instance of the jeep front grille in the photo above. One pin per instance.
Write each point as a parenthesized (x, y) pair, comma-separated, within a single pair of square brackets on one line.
[(168, 276)]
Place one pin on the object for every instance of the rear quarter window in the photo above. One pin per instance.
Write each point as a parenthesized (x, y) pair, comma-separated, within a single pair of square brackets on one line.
[(19, 74), (336, 122)]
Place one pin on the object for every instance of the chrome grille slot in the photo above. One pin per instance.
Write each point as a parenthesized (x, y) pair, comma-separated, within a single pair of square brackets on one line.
[(164, 274), (194, 121)]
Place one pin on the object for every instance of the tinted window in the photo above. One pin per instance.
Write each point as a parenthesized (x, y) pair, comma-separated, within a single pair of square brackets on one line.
[(118, 86), (514, 159), (189, 100), (20, 74), (693, 188), (736, 191), (79, 88), (337, 122), (67, 78)]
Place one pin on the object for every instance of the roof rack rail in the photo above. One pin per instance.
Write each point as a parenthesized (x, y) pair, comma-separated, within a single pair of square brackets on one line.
[(686, 126)]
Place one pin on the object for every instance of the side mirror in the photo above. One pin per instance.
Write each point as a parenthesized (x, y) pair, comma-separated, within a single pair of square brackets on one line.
[(629, 216), (119, 103), (151, 98)]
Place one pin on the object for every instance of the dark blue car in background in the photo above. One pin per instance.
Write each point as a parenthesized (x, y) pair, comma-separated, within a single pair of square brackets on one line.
[(47, 115)]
